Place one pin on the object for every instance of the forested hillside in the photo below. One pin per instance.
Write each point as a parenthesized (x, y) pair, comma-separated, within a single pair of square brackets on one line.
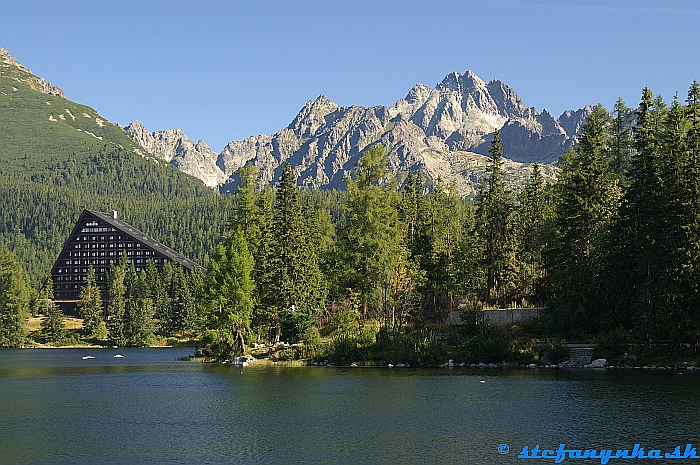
[(40, 210), (611, 247)]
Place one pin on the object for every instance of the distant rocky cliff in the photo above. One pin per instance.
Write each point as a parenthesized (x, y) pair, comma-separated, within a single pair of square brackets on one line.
[(444, 132), (38, 83), (175, 147)]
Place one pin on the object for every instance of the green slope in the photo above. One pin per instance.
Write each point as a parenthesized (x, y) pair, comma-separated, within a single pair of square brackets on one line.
[(39, 130)]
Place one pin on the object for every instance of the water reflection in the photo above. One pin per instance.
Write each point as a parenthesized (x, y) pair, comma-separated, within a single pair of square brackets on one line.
[(151, 408)]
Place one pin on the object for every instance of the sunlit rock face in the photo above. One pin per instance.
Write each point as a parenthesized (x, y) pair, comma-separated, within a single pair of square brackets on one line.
[(443, 132)]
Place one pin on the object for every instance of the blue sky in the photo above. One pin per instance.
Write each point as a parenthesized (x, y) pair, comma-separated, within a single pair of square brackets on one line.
[(226, 70)]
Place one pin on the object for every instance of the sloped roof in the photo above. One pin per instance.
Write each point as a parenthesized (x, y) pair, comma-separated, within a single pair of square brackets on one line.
[(145, 239)]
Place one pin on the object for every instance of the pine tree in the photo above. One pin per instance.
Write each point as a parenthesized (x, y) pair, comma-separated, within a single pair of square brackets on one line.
[(441, 226), (52, 328), (297, 278), (140, 309), (229, 295), (413, 213), (90, 306), (371, 242), (141, 322), (641, 206), (533, 212), (184, 306), (117, 318), (162, 313), (14, 301), (495, 227), (620, 139), (588, 198), (266, 317), (247, 212), (692, 183)]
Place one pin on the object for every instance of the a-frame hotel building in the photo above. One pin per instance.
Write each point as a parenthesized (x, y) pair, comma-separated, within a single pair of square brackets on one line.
[(100, 239)]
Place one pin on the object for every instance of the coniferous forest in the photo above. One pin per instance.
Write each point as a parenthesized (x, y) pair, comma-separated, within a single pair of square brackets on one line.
[(611, 250)]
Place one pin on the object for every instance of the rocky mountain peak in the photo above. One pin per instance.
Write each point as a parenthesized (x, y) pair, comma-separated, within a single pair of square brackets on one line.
[(202, 146), (418, 94), (9, 60), (443, 132), (451, 83), (312, 116), (506, 99), (471, 81), (174, 147), (573, 121), (137, 131), (38, 83)]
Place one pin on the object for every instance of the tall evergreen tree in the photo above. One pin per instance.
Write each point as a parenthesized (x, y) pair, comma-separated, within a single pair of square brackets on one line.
[(140, 310), (266, 317), (620, 139), (90, 306), (587, 204), (117, 322), (52, 328), (295, 286), (247, 208), (534, 213), (184, 306), (371, 242), (14, 301), (640, 209), (495, 227), (413, 213), (229, 295), (442, 230), (692, 183), (162, 313)]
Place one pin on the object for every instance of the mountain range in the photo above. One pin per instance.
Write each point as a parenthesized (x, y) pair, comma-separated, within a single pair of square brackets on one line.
[(442, 132)]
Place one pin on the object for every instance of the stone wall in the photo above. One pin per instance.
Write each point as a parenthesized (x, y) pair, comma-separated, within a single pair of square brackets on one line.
[(499, 317)]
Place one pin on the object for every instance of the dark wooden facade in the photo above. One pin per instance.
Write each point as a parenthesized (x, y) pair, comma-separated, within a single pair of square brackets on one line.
[(100, 239)]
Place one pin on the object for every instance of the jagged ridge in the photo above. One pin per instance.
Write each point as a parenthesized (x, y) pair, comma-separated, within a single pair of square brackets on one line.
[(443, 131)]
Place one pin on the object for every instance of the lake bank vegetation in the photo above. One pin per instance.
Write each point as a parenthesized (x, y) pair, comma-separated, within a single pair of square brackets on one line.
[(611, 249)]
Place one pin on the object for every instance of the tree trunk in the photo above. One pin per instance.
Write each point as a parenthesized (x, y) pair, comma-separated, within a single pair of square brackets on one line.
[(240, 341)]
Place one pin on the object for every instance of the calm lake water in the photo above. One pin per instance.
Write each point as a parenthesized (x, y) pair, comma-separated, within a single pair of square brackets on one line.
[(150, 408)]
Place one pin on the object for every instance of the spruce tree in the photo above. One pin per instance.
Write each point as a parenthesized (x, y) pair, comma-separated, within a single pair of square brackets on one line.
[(620, 139), (534, 213), (162, 313), (246, 215), (588, 199), (52, 328), (496, 227), (413, 213), (14, 301), (90, 306), (117, 319), (265, 316), (693, 188), (184, 305), (230, 296), (441, 225), (297, 277), (640, 209)]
